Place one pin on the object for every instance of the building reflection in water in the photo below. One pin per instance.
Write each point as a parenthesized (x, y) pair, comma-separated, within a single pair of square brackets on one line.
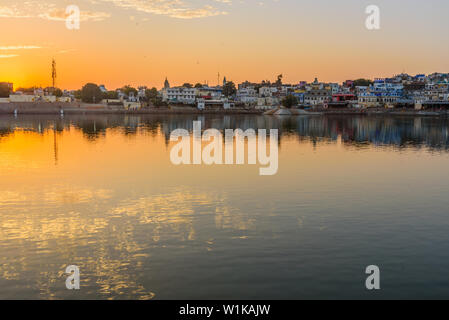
[(397, 131), (97, 191)]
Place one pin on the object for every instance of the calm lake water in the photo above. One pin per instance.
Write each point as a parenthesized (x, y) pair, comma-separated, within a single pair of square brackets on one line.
[(101, 193)]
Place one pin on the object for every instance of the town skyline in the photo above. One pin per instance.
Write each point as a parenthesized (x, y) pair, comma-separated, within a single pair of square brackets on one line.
[(223, 78), (214, 82), (402, 90)]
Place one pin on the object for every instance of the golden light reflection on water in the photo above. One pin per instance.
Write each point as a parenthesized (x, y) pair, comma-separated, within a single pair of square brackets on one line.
[(104, 196), (51, 233), (49, 218)]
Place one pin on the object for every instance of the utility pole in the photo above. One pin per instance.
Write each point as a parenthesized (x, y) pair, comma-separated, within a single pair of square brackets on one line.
[(53, 72)]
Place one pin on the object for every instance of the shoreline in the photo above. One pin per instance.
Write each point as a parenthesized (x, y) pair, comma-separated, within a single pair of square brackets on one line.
[(44, 108), (80, 109)]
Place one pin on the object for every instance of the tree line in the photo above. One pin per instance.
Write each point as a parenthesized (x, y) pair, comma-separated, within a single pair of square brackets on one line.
[(91, 93)]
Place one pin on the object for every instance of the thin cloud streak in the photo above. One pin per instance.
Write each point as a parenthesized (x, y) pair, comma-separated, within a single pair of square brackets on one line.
[(180, 9), (21, 47), (61, 15), (47, 11), (172, 8)]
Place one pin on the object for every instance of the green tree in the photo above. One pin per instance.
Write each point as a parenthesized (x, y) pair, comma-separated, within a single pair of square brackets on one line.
[(91, 93), (151, 94), (157, 102), (77, 94), (4, 90), (229, 89), (289, 101), (198, 85), (111, 95), (26, 90), (279, 80), (153, 97), (187, 85), (57, 92), (362, 83), (128, 89)]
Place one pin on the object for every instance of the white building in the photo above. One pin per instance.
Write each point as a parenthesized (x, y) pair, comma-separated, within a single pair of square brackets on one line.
[(247, 95), (267, 91), (207, 92), (179, 95), (316, 97), (335, 88), (141, 92), (132, 97), (266, 103), (285, 89), (368, 100), (103, 88)]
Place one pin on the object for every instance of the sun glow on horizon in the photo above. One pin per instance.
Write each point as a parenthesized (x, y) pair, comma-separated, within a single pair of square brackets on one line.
[(141, 42)]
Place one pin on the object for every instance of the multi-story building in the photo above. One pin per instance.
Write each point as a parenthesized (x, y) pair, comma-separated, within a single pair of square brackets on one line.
[(247, 95), (247, 84), (335, 88), (370, 99), (299, 94), (360, 89), (382, 93), (384, 86), (179, 95), (141, 92), (344, 97), (285, 89), (317, 96), (267, 91), (420, 78), (267, 102), (209, 93), (9, 85)]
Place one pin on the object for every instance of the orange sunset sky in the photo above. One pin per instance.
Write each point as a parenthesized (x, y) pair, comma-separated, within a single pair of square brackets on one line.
[(140, 42)]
